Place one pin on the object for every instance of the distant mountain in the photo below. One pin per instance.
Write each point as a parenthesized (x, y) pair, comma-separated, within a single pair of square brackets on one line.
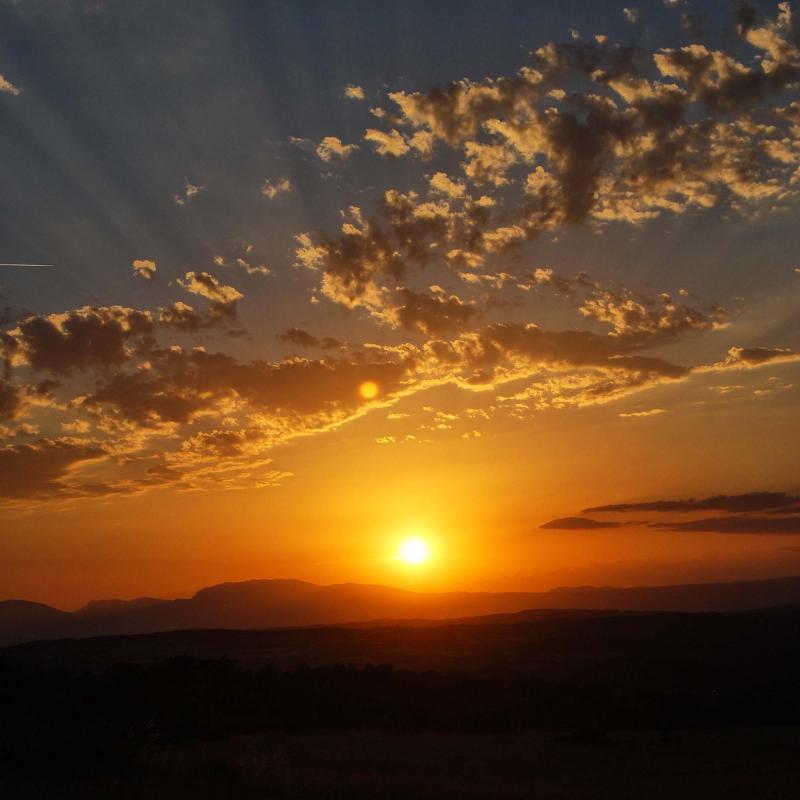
[(289, 603), (22, 620)]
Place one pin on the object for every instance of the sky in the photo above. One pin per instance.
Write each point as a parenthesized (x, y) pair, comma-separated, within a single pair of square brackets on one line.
[(522, 281)]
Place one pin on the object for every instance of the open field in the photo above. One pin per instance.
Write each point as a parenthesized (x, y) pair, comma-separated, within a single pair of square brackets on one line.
[(735, 764)]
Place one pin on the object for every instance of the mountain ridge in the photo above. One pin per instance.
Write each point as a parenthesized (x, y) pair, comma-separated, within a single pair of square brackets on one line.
[(283, 603)]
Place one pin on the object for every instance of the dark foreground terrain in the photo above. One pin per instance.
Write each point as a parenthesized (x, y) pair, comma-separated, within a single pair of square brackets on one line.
[(560, 706), (734, 764)]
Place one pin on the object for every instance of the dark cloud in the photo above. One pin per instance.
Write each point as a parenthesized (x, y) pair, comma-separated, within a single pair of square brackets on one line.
[(757, 356), (39, 469), (303, 338), (764, 525), (577, 524), (9, 401), (746, 17), (89, 337), (735, 503), (184, 317), (484, 354), (299, 337), (433, 314), (181, 383)]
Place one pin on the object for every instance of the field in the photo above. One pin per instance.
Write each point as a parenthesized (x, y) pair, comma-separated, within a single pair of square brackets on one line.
[(599, 706), (732, 764)]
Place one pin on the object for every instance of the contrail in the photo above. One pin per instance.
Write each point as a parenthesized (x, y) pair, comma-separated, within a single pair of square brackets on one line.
[(27, 265)]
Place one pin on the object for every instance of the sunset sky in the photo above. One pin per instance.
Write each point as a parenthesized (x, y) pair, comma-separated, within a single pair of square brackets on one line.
[(328, 275)]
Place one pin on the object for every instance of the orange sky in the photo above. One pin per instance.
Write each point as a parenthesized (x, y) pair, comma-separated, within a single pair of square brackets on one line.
[(567, 268)]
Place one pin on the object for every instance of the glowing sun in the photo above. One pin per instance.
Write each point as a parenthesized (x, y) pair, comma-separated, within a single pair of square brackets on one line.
[(368, 390), (414, 551)]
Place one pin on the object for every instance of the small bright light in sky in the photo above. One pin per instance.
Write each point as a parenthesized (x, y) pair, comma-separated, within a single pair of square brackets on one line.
[(369, 390), (414, 550)]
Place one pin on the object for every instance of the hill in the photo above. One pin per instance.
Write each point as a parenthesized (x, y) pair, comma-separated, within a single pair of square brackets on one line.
[(262, 604)]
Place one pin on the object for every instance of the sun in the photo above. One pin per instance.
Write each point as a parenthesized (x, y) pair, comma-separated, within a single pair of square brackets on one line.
[(369, 390), (414, 551)]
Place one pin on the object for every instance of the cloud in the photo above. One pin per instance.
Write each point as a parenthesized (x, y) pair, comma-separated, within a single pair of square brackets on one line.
[(392, 143), (6, 87), (9, 401), (744, 525), (89, 337), (305, 339), (144, 268), (735, 503), (155, 389), (633, 15), (297, 393), (190, 191), (331, 147), (666, 132), (433, 314), (271, 190), (354, 92), (223, 298), (588, 132), (505, 351), (182, 316), (751, 357), (442, 184), (253, 269), (368, 252), (633, 315), (577, 524), (40, 469), (746, 17), (651, 412)]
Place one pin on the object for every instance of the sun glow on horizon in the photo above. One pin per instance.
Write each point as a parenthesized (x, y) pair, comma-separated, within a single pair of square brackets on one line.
[(414, 550)]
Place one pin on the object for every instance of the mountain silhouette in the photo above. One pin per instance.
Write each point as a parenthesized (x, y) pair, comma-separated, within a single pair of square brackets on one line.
[(277, 603)]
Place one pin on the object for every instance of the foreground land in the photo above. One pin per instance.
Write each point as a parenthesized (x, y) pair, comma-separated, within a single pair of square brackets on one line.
[(734, 764), (559, 706)]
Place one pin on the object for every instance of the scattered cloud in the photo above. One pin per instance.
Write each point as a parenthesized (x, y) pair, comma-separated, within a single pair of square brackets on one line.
[(253, 269), (331, 148), (271, 190), (223, 298), (354, 92), (633, 15), (391, 143), (589, 132), (190, 191), (144, 268), (6, 87)]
